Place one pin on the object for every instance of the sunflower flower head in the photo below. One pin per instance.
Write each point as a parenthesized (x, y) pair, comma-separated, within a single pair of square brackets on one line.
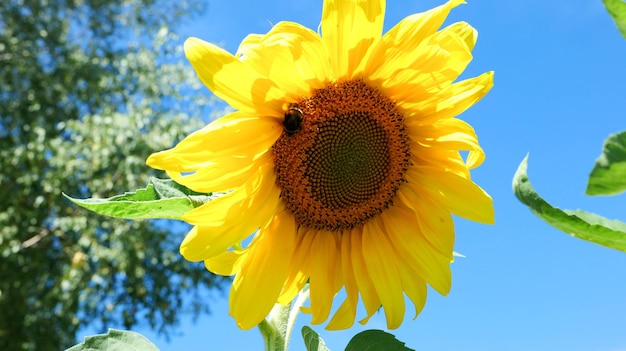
[(341, 162)]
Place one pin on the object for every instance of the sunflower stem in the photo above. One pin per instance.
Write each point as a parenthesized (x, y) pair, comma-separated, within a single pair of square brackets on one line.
[(274, 328), (277, 327), (295, 308)]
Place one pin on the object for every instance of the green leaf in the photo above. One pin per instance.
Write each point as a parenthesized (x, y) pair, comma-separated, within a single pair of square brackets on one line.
[(312, 340), (162, 198), (579, 224), (617, 10), (608, 176), (115, 340), (376, 340)]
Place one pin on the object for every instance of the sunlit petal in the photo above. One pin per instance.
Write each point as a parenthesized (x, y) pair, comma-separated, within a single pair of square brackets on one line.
[(258, 284), (349, 30)]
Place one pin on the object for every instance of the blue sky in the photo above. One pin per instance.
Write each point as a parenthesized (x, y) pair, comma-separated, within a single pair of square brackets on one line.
[(559, 68)]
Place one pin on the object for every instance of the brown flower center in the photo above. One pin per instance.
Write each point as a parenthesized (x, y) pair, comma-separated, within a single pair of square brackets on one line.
[(342, 156)]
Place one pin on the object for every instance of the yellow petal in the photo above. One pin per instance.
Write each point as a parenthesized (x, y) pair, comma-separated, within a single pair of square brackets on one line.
[(293, 286), (362, 276), (216, 179), (256, 287), (451, 134), (346, 313), (292, 56), (448, 160), (414, 287), (382, 266), (466, 32), (222, 155), (405, 234), (417, 71), (231, 218), (226, 263), (325, 260), (434, 220), (460, 195), (299, 267), (349, 30), (450, 102), (417, 27), (236, 135), (250, 42), (234, 82)]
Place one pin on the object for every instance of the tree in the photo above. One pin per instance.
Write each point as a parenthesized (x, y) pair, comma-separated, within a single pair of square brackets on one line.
[(88, 89)]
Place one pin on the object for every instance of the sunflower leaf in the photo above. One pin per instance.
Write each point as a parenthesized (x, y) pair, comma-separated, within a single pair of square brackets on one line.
[(162, 198), (115, 340), (608, 176), (579, 224), (617, 10), (312, 340), (376, 340)]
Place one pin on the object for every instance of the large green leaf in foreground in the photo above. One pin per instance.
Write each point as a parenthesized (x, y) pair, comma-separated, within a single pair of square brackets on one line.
[(608, 176), (115, 340), (579, 224), (162, 198), (617, 10)]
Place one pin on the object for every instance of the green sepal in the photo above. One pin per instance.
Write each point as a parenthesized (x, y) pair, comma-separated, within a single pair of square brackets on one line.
[(376, 340), (115, 340), (608, 176), (312, 340), (579, 224), (617, 10), (162, 198)]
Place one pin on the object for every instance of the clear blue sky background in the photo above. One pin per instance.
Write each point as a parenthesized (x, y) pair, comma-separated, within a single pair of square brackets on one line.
[(559, 73)]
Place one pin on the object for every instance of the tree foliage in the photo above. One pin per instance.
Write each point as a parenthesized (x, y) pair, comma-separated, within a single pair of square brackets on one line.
[(88, 89)]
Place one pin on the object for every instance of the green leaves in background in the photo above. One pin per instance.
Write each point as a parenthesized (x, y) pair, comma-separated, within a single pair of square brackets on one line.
[(579, 224), (115, 340), (617, 10), (608, 176), (89, 89), (375, 340), (162, 198)]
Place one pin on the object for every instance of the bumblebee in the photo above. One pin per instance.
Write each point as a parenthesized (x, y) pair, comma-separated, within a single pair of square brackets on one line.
[(293, 120)]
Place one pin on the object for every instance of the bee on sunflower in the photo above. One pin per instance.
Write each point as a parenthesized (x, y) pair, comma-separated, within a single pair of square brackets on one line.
[(341, 162)]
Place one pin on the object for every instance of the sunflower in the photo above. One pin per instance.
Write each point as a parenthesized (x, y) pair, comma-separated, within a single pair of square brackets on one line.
[(341, 162)]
